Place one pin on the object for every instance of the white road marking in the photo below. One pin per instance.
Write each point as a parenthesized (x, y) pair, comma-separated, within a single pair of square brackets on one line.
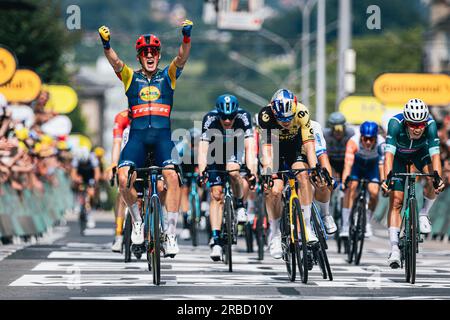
[(99, 232)]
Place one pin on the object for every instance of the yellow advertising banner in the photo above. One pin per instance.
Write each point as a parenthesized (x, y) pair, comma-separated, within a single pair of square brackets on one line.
[(63, 99), (358, 109), (8, 65), (24, 87), (398, 88)]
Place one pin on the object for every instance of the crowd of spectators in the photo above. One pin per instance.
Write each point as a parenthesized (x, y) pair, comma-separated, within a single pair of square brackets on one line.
[(28, 156)]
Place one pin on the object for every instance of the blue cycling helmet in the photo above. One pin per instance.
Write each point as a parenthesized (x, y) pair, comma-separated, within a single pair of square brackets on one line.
[(283, 105), (227, 105), (368, 129)]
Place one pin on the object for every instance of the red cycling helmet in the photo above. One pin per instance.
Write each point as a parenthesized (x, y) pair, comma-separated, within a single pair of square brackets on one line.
[(147, 40)]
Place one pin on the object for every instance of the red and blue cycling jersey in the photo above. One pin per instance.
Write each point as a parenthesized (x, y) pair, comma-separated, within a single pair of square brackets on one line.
[(150, 101)]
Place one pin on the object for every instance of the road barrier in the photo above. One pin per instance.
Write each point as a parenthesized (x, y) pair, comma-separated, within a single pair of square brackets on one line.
[(32, 213)]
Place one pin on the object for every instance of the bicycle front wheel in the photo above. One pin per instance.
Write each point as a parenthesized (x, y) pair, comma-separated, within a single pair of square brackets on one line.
[(155, 211), (260, 229), (194, 221), (229, 232), (360, 233), (301, 247), (287, 245), (414, 241), (127, 237)]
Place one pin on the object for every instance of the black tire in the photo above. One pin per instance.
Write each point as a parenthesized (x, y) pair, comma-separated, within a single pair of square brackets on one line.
[(287, 245), (83, 219), (127, 238), (249, 237), (301, 246), (361, 230), (414, 240), (229, 226), (259, 232), (404, 247), (322, 256), (156, 240), (194, 222)]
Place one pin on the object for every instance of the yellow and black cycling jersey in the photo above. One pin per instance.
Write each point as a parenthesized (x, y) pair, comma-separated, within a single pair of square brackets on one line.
[(298, 133)]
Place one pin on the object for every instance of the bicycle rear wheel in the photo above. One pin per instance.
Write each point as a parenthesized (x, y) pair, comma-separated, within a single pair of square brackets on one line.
[(414, 241), (301, 247), (229, 233), (287, 245), (156, 239), (127, 237), (322, 255)]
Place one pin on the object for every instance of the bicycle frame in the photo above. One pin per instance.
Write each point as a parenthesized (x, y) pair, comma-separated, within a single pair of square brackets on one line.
[(291, 193), (322, 226)]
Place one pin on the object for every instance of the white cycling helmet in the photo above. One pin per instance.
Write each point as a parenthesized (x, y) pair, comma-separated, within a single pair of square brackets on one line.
[(416, 111)]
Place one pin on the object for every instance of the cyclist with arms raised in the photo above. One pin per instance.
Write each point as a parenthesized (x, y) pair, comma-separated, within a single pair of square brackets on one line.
[(411, 137), (150, 99)]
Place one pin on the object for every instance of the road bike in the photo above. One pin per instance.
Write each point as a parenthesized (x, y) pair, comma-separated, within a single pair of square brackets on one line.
[(153, 216), (357, 222), (410, 230), (229, 219)]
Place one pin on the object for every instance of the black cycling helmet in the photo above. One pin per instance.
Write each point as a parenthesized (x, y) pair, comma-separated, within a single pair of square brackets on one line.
[(336, 119)]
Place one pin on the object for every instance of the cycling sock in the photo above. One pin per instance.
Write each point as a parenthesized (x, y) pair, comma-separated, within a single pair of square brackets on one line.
[(427, 204), (307, 215), (393, 236), (135, 213), (119, 226), (216, 236), (345, 216), (185, 220), (324, 208), (275, 227), (172, 218)]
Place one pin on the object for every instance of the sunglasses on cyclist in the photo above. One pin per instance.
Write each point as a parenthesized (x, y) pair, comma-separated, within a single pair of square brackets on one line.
[(228, 116), (419, 125), (145, 51), (369, 139)]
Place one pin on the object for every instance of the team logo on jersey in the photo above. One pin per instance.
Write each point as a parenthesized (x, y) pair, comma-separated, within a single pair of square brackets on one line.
[(265, 117), (149, 93)]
